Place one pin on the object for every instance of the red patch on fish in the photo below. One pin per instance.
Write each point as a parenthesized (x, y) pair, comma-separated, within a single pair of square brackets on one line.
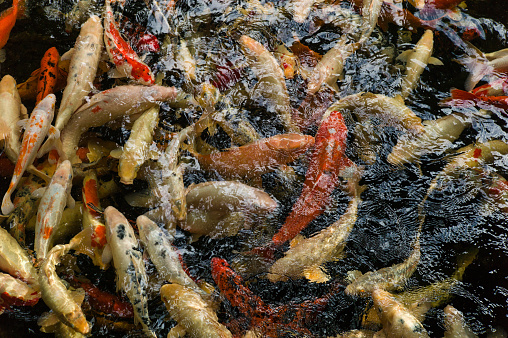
[(47, 232), (99, 236), (96, 109), (477, 153)]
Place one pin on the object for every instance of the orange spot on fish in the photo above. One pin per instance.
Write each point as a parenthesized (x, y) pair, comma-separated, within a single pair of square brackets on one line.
[(477, 153), (96, 109), (99, 236), (47, 232)]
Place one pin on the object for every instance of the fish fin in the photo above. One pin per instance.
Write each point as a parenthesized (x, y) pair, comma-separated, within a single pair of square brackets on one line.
[(177, 331), (338, 254), (4, 130), (78, 295), (23, 112), (399, 98), (116, 153), (7, 205), (107, 254), (37, 193), (114, 73), (53, 135), (478, 67), (316, 274), (405, 55), (353, 275), (33, 170), (463, 261), (22, 124), (71, 203), (48, 321), (435, 61), (195, 237), (458, 94)]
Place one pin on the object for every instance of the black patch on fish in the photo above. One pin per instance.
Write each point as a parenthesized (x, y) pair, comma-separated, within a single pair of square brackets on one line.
[(418, 329), (120, 232)]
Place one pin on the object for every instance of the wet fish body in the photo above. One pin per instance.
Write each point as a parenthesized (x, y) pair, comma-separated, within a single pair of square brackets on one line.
[(455, 325), (48, 74), (15, 261), (51, 206), (35, 132), (129, 265), (10, 105)]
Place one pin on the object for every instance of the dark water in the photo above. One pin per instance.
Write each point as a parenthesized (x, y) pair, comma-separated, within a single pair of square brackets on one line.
[(456, 221)]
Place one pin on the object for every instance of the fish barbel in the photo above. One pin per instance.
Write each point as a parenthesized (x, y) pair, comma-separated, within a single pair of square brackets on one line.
[(129, 265), (36, 130), (82, 69), (51, 206)]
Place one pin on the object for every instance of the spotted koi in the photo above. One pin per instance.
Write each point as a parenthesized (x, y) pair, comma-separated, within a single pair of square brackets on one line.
[(37, 128), (126, 60), (48, 74)]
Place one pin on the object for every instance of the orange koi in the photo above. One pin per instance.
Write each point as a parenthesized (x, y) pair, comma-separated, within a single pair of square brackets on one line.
[(28, 89), (8, 20), (48, 74), (461, 98), (37, 128), (321, 178), (254, 159), (126, 60)]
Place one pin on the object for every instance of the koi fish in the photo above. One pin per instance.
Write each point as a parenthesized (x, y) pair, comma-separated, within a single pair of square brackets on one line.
[(56, 196), (463, 98), (255, 159), (438, 136), (53, 291), (8, 20), (441, 4), (15, 261), (192, 313), (397, 320), (14, 292), (321, 178), (129, 265), (109, 105), (79, 14), (455, 325), (497, 87), (417, 59), (270, 74), (127, 62), (163, 255), (389, 278), (306, 257), (313, 107), (135, 151), (36, 130), (82, 69), (106, 302), (48, 74), (10, 105), (215, 224)]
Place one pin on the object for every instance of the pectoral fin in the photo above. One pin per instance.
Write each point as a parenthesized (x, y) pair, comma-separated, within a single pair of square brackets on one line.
[(316, 274), (33, 170), (435, 61)]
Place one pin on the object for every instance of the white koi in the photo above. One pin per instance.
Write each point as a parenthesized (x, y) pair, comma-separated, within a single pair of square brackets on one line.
[(129, 265), (10, 106), (51, 206), (15, 261), (109, 105), (82, 69), (36, 130), (16, 292)]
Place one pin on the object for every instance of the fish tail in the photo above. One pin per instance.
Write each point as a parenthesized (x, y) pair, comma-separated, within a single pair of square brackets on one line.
[(462, 95), (4, 130), (463, 261), (7, 205), (478, 67)]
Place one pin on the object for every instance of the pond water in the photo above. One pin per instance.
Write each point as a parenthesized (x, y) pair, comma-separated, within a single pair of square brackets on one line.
[(460, 217)]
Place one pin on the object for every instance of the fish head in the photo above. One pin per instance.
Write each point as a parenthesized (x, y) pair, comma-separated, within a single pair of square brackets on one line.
[(63, 173), (219, 266), (143, 74), (145, 226)]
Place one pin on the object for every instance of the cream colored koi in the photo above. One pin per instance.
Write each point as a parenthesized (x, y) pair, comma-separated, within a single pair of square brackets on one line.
[(455, 324), (307, 256), (55, 294), (417, 59), (215, 224), (163, 254), (272, 84), (109, 105), (190, 311), (82, 69), (51, 206), (129, 265), (186, 61), (437, 138), (390, 111), (10, 106), (389, 278), (15, 261), (36, 130), (330, 67), (397, 321), (136, 149)]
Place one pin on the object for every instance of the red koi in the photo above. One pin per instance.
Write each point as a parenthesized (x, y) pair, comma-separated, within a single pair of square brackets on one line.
[(48, 75), (441, 4), (147, 42), (461, 97), (105, 302), (494, 88), (272, 321), (126, 60), (226, 76), (321, 178)]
